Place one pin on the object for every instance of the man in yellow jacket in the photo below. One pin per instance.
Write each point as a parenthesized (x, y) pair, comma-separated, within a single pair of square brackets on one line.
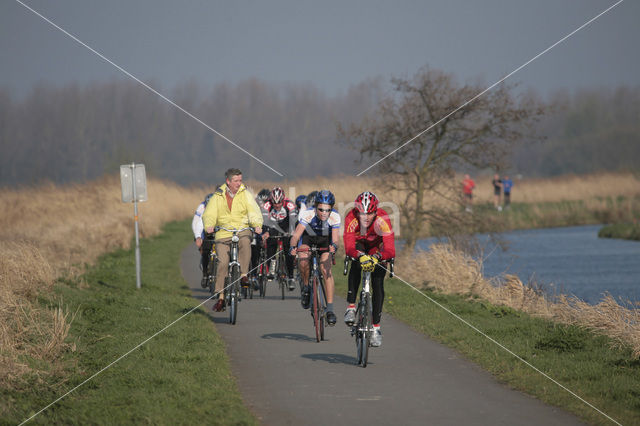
[(232, 206)]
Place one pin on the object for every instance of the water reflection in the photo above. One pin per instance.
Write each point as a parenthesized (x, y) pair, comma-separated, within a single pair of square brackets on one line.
[(570, 260)]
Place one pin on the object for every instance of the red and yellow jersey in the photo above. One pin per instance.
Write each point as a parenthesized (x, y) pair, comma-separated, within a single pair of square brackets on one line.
[(377, 238)]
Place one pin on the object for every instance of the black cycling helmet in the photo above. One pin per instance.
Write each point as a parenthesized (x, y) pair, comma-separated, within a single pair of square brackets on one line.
[(325, 197), (311, 198), (263, 195), (299, 200)]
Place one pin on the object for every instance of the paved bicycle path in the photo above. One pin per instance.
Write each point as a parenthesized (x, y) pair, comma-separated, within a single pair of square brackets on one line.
[(287, 378)]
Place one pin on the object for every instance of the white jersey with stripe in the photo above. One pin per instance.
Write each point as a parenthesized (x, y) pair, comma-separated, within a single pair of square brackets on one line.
[(316, 227)]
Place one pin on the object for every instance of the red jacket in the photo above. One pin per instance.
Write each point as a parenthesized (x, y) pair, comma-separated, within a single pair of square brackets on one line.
[(378, 238)]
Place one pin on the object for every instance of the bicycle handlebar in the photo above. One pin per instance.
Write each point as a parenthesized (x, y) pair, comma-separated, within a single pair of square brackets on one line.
[(349, 259), (218, 228), (304, 250)]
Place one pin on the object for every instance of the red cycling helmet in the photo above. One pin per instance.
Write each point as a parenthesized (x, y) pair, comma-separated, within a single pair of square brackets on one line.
[(367, 202), (277, 195)]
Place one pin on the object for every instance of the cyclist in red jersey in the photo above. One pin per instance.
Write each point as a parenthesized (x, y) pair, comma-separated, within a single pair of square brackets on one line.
[(369, 238)]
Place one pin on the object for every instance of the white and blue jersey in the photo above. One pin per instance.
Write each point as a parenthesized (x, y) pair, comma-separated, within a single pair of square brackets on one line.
[(316, 227), (196, 224)]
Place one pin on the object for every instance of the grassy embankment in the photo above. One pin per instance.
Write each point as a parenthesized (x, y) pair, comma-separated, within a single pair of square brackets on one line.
[(625, 231), (47, 233), (180, 376), (566, 340)]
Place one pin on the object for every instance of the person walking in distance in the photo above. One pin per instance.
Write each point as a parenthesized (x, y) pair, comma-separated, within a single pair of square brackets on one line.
[(467, 191), (497, 189), (507, 184), (232, 206)]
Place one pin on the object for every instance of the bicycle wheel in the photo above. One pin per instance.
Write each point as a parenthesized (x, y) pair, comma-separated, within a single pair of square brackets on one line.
[(262, 275), (211, 275), (316, 308), (359, 339), (262, 282), (322, 306), (282, 274), (367, 329), (235, 285)]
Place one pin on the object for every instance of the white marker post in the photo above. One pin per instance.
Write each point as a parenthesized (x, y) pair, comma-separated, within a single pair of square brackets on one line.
[(134, 188)]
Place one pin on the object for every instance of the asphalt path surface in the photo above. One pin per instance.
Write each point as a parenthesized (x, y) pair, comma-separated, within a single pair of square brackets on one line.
[(287, 378)]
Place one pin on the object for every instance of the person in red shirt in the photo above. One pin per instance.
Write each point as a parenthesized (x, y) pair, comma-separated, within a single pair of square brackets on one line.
[(369, 238), (467, 189)]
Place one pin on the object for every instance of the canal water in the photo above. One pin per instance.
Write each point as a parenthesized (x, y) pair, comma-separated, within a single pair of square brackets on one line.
[(572, 261)]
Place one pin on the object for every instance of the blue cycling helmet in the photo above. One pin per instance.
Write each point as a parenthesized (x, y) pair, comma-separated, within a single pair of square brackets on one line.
[(299, 200), (325, 197)]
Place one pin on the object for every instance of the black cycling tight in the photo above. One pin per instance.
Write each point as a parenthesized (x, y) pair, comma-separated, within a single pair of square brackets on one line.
[(377, 287)]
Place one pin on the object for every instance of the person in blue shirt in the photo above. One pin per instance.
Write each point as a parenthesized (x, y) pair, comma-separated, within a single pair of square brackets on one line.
[(507, 184)]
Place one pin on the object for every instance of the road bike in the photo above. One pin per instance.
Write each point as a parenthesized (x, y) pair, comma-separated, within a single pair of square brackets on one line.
[(262, 271), (213, 263), (232, 281), (281, 265), (317, 287), (362, 328)]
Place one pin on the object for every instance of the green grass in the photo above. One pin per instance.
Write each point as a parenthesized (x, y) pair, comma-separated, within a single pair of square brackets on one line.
[(181, 376), (625, 231), (585, 363), (556, 214)]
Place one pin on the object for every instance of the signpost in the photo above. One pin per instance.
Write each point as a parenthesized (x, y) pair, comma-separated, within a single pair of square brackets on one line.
[(134, 189)]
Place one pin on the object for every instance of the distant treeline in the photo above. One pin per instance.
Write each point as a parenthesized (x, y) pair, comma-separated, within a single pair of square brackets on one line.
[(78, 133), (75, 133), (589, 131)]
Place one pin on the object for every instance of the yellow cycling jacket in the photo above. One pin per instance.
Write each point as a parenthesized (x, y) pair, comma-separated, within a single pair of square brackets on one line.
[(244, 211)]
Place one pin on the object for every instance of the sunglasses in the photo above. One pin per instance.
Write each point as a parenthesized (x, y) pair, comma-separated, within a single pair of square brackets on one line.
[(323, 210)]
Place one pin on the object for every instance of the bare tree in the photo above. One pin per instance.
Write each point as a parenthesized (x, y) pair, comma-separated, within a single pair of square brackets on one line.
[(476, 136)]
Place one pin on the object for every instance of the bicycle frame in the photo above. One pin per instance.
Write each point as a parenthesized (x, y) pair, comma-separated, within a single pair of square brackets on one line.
[(363, 326), (281, 265), (232, 284), (316, 282), (362, 329)]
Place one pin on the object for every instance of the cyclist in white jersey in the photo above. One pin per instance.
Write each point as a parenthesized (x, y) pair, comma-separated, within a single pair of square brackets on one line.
[(318, 225)]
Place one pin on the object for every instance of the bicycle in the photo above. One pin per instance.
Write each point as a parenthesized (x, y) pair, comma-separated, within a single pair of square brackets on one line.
[(362, 328), (212, 266), (232, 280), (316, 282), (281, 265)]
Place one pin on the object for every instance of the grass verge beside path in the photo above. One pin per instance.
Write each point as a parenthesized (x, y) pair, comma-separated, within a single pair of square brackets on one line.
[(581, 361), (181, 376), (625, 231)]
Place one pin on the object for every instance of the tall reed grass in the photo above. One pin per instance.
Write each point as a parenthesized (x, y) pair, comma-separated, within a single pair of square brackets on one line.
[(52, 231), (594, 189), (451, 271)]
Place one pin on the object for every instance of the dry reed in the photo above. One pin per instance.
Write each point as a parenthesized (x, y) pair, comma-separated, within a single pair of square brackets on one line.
[(592, 189), (447, 270), (52, 231)]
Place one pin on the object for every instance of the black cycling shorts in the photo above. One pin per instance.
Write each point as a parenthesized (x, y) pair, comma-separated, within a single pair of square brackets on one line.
[(320, 241)]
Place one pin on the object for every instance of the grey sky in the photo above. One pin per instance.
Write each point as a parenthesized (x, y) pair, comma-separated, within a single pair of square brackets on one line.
[(331, 44)]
